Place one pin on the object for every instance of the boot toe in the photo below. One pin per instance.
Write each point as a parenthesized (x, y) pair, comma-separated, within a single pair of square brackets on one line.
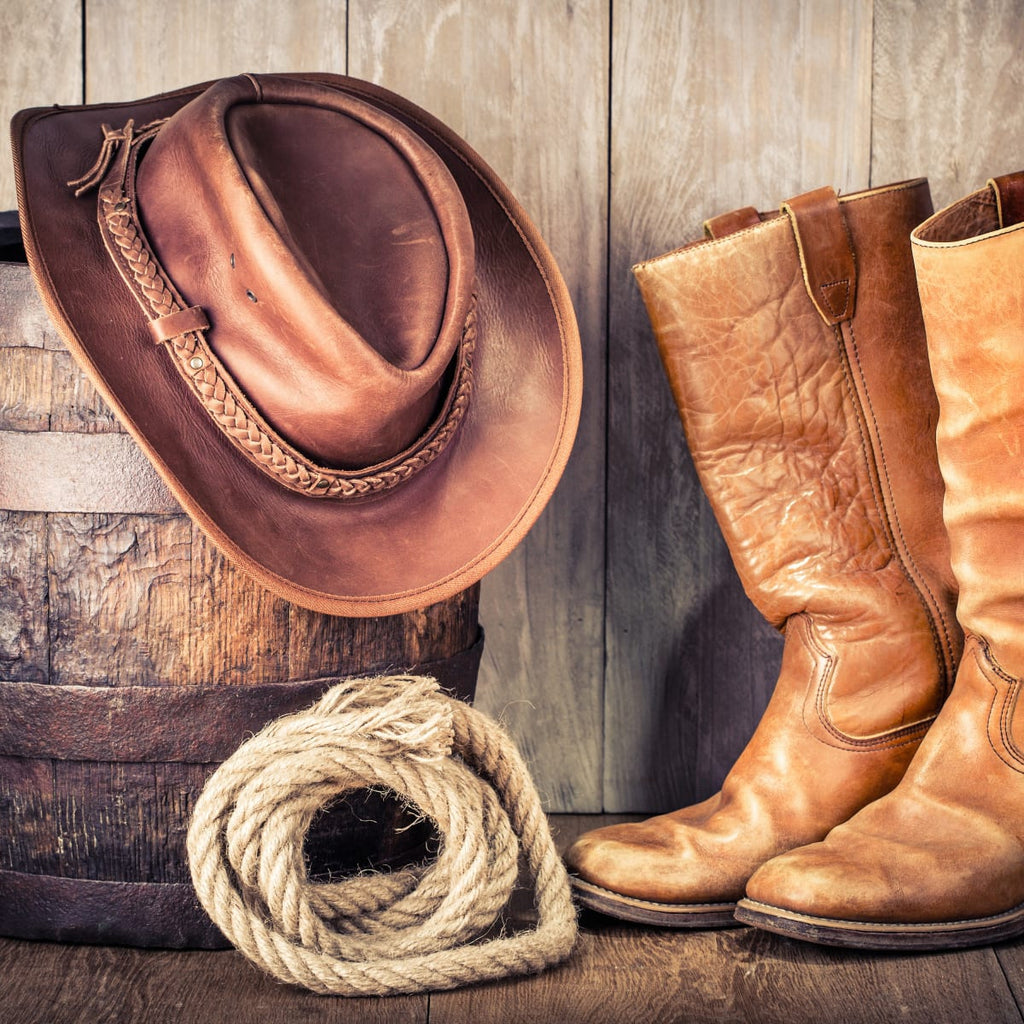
[(613, 859), (888, 877), (653, 873), (885, 894), (661, 860), (810, 880)]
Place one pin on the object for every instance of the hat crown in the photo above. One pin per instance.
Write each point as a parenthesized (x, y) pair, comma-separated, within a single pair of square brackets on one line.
[(331, 251), (493, 334)]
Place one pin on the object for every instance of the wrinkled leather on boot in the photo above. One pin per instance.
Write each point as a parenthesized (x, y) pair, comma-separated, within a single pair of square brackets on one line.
[(939, 862), (796, 354)]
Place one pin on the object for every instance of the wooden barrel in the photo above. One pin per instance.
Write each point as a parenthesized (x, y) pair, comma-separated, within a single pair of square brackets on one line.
[(134, 658)]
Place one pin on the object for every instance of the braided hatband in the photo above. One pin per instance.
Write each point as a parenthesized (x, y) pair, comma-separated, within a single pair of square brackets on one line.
[(209, 379)]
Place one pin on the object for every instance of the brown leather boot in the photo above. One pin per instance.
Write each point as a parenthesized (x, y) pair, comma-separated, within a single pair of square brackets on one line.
[(939, 862), (795, 349)]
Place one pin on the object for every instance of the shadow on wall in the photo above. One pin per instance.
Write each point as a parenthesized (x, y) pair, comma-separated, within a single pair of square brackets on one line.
[(718, 679)]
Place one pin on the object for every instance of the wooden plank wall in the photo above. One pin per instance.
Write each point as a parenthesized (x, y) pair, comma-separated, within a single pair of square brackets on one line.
[(621, 650)]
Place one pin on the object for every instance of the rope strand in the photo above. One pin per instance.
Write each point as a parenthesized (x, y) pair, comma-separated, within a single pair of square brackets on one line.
[(380, 934)]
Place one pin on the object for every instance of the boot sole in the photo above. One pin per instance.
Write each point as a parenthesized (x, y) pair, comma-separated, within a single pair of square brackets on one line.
[(899, 936), (663, 915)]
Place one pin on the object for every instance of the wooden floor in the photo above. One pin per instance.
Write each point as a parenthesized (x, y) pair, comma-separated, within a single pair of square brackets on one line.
[(618, 973)]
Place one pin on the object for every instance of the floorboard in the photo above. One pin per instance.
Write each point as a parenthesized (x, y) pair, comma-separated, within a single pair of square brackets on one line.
[(1011, 960), (617, 973), (46, 983)]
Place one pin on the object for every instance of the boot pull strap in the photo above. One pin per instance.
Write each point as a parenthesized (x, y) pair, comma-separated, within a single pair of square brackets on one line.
[(826, 253), (729, 223), (1009, 192)]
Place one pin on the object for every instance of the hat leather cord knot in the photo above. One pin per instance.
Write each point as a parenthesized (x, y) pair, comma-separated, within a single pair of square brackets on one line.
[(328, 323), (112, 138), (180, 327)]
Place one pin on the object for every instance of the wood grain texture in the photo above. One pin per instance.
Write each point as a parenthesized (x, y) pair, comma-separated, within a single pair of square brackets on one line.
[(76, 406), (137, 48), (620, 973), (40, 386), (526, 85), (946, 98), (25, 321), (28, 841), (1011, 959), (121, 822), (26, 383), (24, 598), (119, 587), (44, 983), (42, 65), (318, 648), (239, 631), (617, 973), (690, 664)]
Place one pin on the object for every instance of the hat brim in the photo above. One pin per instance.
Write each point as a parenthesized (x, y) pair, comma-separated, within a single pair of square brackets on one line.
[(419, 543)]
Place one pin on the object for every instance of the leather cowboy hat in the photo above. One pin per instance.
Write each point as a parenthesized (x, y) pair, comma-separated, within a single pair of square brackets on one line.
[(329, 325)]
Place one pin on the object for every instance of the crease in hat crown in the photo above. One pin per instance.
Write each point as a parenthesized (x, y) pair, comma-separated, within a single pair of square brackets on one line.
[(198, 137), (450, 370)]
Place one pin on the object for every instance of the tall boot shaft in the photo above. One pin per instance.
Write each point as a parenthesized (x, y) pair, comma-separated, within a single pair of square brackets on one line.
[(970, 267), (795, 351), (937, 862)]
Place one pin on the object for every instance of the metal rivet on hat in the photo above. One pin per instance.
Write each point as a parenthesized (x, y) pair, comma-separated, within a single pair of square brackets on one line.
[(196, 362), (252, 298)]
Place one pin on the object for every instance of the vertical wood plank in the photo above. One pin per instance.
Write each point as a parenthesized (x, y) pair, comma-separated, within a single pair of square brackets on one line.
[(948, 78), (42, 64), (526, 85), (240, 629), (24, 637), (137, 48), (29, 842), (118, 589), (715, 104)]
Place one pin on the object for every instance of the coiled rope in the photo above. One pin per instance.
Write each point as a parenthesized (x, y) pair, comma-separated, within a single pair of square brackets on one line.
[(378, 934)]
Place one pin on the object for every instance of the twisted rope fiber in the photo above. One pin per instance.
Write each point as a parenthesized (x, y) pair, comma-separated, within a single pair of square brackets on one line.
[(413, 930)]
